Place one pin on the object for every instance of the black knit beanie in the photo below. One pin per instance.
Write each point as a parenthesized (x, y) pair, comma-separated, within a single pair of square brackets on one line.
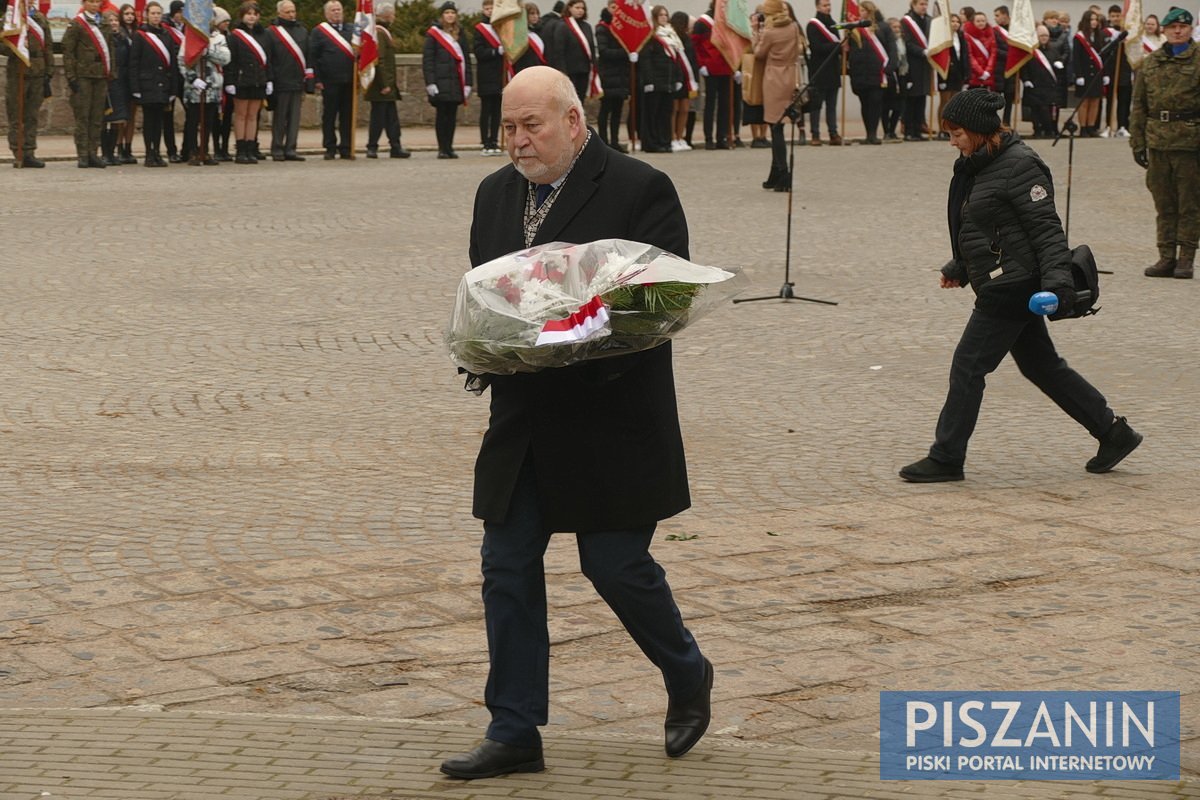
[(976, 110)]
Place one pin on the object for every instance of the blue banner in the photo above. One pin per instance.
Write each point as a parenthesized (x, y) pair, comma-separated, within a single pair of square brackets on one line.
[(1029, 735)]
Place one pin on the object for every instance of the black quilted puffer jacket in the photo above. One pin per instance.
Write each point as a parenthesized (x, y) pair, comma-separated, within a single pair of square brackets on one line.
[(1007, 238)]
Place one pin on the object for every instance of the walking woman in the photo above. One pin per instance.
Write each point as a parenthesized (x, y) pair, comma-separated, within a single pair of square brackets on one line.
[(247, 79), (123, 43), (151, 79), (1085, 56), (868, 64), (777, 50), (447, 73), (1008, 243)]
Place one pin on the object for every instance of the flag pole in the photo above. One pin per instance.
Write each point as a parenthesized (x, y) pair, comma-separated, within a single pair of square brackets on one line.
[(354, 105), (21, 69), (633, 95), (729, 143), (1116, 91), (845, 57)]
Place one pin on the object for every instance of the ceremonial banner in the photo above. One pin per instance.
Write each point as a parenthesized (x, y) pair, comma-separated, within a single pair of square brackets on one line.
[(731, 44), (365, 41), (16, 29), (512, 26), (630, 26), (850, 12), (1135, 51), (737, 16), (941, 41), (1022, 37), (197, 18)]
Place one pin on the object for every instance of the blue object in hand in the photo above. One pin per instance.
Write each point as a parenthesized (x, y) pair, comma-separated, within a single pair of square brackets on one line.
[(1044, 303)]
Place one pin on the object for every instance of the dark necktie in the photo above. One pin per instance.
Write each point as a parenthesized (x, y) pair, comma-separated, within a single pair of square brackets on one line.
[(541, 192)]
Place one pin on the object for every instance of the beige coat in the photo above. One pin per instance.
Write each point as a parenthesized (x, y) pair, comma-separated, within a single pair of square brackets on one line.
[(776, 55)]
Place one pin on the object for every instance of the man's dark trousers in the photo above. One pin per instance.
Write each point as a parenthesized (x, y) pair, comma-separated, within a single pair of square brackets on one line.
[(285, 122), (716, 104), (335, 117), (619, 565), (984, 343), (823, 96)]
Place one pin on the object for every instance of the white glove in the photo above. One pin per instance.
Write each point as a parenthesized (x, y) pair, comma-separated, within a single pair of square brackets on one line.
[(500, 50), (649, 87), (985, 76), (270, 87), (230, 90), (737, 77), (137, 95), (466, 92), (633, 58), (199, 85), (941, 86), (1058, 65), (171, 98), (908, 85), (1028, 84), (432, 89), (1080, 81), (678, 85), (704, 71), (1107, 80)]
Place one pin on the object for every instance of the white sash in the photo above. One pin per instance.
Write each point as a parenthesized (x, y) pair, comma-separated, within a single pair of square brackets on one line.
[(488, 32), (707, 20), (1045, 62), (690, 82), (979, 44), (98, 42), (880, 51), (447, 41), (593, 75), (164, 55), (175, 34), (1001, 32), (245, 38), (36, 31), (1091, 51), (337, 39), (915, 30), (293, 48), (824, 29)]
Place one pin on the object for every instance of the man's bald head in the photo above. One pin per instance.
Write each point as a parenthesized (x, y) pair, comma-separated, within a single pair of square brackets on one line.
[(543, 122)]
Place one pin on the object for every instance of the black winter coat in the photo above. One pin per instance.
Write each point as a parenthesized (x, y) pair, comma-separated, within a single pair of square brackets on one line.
[(550, 28), (1007, 238), (489, 65), (286, 72), (330, 63), (570, 57), (1085, 67), (656, 68), (958, 71), (999, 82), (918, 66), (863, 64), (821, 48), (148, 75), (1044, 91), (244, 69), (441, 68), (612, 61)]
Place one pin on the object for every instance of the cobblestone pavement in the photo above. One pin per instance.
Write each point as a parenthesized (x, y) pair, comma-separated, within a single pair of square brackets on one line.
[(236, 465)]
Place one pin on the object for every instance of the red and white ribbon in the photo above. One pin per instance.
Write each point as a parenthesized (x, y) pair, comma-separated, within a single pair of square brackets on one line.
[(581, 325)]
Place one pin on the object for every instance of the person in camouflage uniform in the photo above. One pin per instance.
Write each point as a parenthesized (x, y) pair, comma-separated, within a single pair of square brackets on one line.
[(35, 87), (1165, 136), (89, 64)]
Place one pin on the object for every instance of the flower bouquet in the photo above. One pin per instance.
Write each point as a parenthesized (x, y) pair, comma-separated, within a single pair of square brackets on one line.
[(558, 304)]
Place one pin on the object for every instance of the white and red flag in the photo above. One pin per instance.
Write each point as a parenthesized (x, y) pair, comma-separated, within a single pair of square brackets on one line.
[(726, 35), (197, 21), (1022, 37), (1134, 25), (941, 41), (365, 41), (16, 29), (511, 27)]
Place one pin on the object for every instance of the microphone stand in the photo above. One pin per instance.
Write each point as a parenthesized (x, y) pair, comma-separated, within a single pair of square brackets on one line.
[(1070, 127), (793, 112)]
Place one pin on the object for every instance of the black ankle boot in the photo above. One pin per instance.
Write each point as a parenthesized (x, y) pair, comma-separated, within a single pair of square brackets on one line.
[(241, 157), (1120, 441), (773, 178)]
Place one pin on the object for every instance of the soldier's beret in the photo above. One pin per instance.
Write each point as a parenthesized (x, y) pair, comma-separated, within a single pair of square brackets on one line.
[(1177, 15)]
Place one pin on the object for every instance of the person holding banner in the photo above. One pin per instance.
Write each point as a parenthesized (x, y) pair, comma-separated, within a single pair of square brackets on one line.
[(1119, 64), (685, 58), (956, 68), (489, 80), (248, 78), (915, 27), (287, 48), (1085, 55), (25, 92), (333, 62), (203, 85), (447, 73), (981, 47), (613, 64), (718, 81), (89, 64)]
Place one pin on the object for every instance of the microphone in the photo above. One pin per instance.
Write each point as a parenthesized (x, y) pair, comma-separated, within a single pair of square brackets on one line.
[(862, 23), (1108, 48)]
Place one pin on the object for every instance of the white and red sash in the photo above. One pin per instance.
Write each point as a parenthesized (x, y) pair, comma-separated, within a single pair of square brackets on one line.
[(288, 42), (98, 42), (915, 29), (35, 30), (689, 76), (252, 44), (335, 37), (1148, 46), (707, 20), (1091, 51), (455, 50), (824, 29), (159, 48), (880, 51), (486, 30), (593, 76), (1045, 62), (978, 42), (1001, 32), (176, 34), (537, 46)]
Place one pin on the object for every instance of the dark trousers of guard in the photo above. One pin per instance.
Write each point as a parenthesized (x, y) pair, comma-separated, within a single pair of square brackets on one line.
[(716, 108), (1042, 118), (152, 127), (335, 117), (444, 125), (609, 121), (626, 576), (871, 101), (914, 115), (656, 122), (191, 129), (489, 121), (168, 129), (285, 122), (825, 97), (384, 119), (983, 345)]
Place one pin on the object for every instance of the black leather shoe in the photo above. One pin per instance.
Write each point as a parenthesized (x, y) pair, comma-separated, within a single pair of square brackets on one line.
[(687, 721), (492, 758), (293, 157), (372, 152), (399, 152), (29, 162), (1120, 441), (83, 163), (174, 158), (330, 155), (927, 470)]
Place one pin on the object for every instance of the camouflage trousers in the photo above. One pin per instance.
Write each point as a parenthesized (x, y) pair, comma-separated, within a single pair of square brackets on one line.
[(1173, 179), (33, 91), (88, 105)]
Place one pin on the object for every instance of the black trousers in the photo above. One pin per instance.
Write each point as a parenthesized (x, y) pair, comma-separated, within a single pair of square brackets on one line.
[(609, 121), (191, 128), (984, 343), (489, 120), (335, 117), (168, 128), (152, 126), (444, 125), (914, 114), (624, 574), (656, 121), (384, 119), (1043, 119), (871, 101), (580, 81), (716, 107), (285, 121), (893, 109), (1124, 102), (1010, 95), (823, 96)]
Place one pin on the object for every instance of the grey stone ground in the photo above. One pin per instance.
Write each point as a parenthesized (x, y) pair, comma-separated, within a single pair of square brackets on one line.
[(235, 479)]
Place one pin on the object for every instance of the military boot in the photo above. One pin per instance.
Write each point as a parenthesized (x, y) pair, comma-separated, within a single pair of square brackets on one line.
[(1163, 268), (1183, 267)]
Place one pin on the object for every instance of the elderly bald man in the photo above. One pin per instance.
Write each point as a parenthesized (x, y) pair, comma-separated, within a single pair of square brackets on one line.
[(565, 185)]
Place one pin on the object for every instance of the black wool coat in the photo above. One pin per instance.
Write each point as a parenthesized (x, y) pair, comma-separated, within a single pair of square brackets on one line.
[(329, 61), (489, 66), (148, 75), (918, 65), (820, 49), (244, 68), (570, 57), (441, 68), (613, 63), (603, 435), (286, 72)]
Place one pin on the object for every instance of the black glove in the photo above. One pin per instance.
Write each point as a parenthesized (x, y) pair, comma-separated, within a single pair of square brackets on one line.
[(1142, 158), (73, 86), (46, 87), (1066, 304)]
